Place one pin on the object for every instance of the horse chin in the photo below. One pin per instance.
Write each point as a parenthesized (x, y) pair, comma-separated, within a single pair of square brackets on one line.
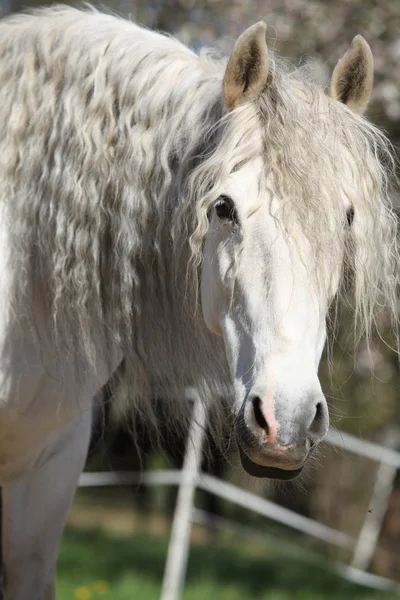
[(256, 470)]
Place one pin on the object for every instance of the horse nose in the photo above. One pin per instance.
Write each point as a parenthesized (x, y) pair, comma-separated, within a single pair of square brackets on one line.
[(308, 423)]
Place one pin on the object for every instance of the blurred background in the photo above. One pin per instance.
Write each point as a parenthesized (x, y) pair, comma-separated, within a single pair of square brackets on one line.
[(116, 542)]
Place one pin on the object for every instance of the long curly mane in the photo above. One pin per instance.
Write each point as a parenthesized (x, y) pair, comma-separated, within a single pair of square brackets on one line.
[(114, 143)]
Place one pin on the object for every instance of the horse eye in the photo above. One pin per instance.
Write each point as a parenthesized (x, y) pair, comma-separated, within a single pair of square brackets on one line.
[(350, 216), (225, 209)]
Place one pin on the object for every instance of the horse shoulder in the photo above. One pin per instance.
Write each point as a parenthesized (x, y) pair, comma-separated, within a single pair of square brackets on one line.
[(40, 392)]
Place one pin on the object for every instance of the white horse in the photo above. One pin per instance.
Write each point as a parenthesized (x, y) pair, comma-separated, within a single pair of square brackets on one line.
[(192, 215)]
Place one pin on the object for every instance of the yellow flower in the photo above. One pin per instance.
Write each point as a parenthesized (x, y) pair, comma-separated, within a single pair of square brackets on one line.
[(83, 593), (101, 587)]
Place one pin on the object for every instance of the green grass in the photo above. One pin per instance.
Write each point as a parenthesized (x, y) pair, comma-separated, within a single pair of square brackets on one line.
[(126, 569)]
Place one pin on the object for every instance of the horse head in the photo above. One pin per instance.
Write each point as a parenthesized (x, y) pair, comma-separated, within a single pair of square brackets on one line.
[(275, 250)]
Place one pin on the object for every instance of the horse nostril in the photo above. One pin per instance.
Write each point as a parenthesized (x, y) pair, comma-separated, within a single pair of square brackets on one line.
[(318, 423), (258, 415)]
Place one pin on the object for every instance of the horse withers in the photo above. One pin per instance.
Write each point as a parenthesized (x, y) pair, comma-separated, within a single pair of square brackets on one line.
[(195, 217)]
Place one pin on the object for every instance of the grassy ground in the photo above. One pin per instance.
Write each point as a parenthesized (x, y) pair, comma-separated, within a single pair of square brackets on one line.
[(95, 565)]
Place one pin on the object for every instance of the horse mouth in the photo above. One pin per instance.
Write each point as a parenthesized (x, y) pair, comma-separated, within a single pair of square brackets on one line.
[(256, 470)]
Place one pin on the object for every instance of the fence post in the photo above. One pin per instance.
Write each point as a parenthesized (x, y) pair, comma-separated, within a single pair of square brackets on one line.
[(178, 548), (370, 530)]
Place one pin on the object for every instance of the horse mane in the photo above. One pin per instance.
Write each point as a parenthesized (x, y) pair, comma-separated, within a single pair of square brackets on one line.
[(101, 121), (114, 143)]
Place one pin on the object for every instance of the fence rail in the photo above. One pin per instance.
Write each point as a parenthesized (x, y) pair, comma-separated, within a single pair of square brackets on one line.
[(229, 492), (370, 450)]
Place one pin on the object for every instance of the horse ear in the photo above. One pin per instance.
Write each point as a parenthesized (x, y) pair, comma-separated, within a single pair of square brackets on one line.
[(247, 70), (352, 77)]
